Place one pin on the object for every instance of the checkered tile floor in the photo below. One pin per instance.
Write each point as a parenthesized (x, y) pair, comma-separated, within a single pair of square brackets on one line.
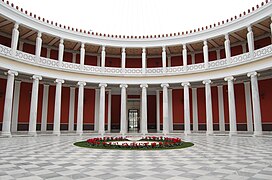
[(212, 157)]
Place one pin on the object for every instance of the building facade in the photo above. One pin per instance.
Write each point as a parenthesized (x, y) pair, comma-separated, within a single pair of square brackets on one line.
[(211, 79)]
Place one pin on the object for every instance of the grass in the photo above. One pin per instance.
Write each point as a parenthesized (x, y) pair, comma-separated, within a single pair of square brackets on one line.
[(115, 147)]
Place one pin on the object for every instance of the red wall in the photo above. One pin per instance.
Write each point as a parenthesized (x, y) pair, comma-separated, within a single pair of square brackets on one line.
[(3, 83), (113, 62), (154, 62), (265, 89), (115, 109), (178, 106), (151, 106), (90, 60), (133, 63), (5, 41)]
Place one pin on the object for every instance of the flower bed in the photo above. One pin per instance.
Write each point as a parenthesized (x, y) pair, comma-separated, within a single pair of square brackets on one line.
[(145, 143)]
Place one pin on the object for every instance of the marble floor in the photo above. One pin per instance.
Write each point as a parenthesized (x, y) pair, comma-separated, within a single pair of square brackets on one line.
[(212, 157)]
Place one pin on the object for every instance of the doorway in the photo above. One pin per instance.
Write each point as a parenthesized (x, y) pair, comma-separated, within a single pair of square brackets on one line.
[(133, 120)]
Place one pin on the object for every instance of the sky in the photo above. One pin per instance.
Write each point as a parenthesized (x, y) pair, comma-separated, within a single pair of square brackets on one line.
[(136, 17)]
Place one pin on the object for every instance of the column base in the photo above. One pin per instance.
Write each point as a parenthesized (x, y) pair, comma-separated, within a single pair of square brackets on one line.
[(79, 133), (232, 133), (208, 133), (57, 133), (32, 133), (187, 133), (144, 132), (101, 132), (258, 133), (165, 132), (6, 134)]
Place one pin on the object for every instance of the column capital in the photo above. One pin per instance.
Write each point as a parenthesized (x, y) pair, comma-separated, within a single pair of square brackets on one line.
[(252, 74), (229, 78), (39, 34), (227, 36), (18, 81), (123, 50), (185, 84), (123, 85), (249, 28), (219, 85), (207, 81), (102, 85), (164, 85), (144, 85), (16, 25), (143, 50), (205, 42), (72, 87), (82, 45), (61, 40), (59, 81), (163, 48), (246, 82), (81, 83), (103, 47), (184, 46), (37, 77), (12, 73)]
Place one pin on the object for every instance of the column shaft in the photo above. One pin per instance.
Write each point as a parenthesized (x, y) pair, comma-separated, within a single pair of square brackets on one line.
[(164, 59), (71, 109), (123, 65), (96, 115), (184, 57), (38, 46), (8, 103), (109, 111), (257, 118), (61, 52), (44, 107), (187, 128), (57, 111), (209, 115), (227, 48), (206, 54), (165, 109), (82, 56), (123, 119), (158, 110), (248, 106), (170, 109), (103, 56), (195, 109), (15, 38), (15, 109), (101, 129), (34, 105), (143, 60), (221, 108), (232, 109), (80, 108), (144, 109), (250, 41)]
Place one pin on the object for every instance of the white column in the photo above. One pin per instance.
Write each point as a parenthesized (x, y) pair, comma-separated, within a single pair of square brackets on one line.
[(248, 106), (8, 103), (57, 111), (98, 60), (143, 60), (38, 46), (206, 54), (101, 129), (257, 118), (271, 28), (158, 110), (195, 109), (221, 108), (250, 41), (123, 65), (96, 113), (21, 45), (184, 57), (218, 54), (103, 56), (169, 61), (15, 108), (74, 58), (232, 109), (80, 108), (48, 52), (71, 109), (227, 48), (209, 115), (15, 38), (82, 56), (123, 119), (165, 109), (109, 111), (144, 109), (164, 59), (244, 48), (34, 105), (44, 107), (61, 52), (187, 124), (193, 58), (170, 109)]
